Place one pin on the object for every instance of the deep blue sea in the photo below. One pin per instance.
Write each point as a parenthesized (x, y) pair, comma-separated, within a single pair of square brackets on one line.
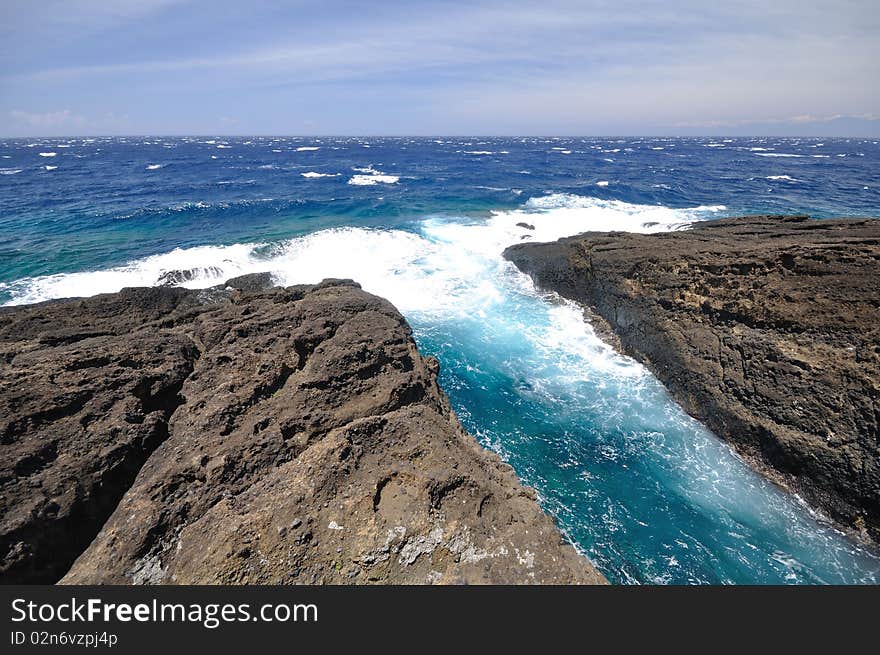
[(644, 490)]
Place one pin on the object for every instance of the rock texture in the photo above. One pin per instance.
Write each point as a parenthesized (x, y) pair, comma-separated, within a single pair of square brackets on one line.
[(248, 434), (766, 328)]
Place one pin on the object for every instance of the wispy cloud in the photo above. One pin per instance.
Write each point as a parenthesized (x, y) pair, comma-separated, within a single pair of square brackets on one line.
[(557, 66)]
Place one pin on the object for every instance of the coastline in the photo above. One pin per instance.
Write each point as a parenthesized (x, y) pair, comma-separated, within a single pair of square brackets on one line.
[(665, 299), (250, 434)]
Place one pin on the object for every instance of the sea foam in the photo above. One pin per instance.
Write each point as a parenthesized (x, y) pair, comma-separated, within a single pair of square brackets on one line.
[(391, 262), (369, 176)]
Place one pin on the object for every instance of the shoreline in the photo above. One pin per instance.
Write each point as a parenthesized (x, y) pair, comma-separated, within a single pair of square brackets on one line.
[(250, 434), (625, 304)]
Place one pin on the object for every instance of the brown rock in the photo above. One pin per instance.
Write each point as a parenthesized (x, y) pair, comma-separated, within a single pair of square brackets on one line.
[(766, 328), (249, 436)]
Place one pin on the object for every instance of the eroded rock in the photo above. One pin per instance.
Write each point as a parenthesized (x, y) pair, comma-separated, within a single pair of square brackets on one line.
[(766, 328), (249, 435)]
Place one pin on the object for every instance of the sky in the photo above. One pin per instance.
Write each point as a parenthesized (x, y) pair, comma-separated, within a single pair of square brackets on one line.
[(392, 67)]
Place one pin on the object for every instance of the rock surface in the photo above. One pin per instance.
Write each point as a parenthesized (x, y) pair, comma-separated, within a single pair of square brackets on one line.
[(248, 434), (766, 328)]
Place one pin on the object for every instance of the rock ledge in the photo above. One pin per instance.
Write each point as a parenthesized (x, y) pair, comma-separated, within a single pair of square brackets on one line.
[(766, 328), (248, 434)]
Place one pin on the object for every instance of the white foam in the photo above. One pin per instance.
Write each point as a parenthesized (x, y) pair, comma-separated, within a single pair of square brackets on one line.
[(307, 148), (367, 180), (48, 154), (370, 176), (602, 183), (786, 178), (153, 167), (442, 269), (50, 168), (223, 146), (313, 174)]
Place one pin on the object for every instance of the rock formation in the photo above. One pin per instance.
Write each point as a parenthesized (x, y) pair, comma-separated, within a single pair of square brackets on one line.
[(248, 434), (766, 328)]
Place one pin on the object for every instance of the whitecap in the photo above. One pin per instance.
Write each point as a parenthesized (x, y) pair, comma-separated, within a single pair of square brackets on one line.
[(785, 178), (307, 148), (48, 154), (367, 180), (370, 176), (10, 171), (50, 168), (777, 154), (602, 183), (313, 174), (153, 167), (478, 152)]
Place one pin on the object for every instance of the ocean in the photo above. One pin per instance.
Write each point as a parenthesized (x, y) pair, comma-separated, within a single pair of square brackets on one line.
[(645, 491)]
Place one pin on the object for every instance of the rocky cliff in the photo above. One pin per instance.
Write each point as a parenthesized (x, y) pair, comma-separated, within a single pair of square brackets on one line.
[(248, 434), (766, 328)]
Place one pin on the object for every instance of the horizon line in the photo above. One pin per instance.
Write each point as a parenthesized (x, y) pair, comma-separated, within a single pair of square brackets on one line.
[(442, 136)]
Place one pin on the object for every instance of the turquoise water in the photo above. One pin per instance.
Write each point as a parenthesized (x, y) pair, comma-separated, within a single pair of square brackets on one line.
[(645, 491)]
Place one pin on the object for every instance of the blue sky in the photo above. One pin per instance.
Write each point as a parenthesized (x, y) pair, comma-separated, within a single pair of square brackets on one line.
[(349, 67)]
